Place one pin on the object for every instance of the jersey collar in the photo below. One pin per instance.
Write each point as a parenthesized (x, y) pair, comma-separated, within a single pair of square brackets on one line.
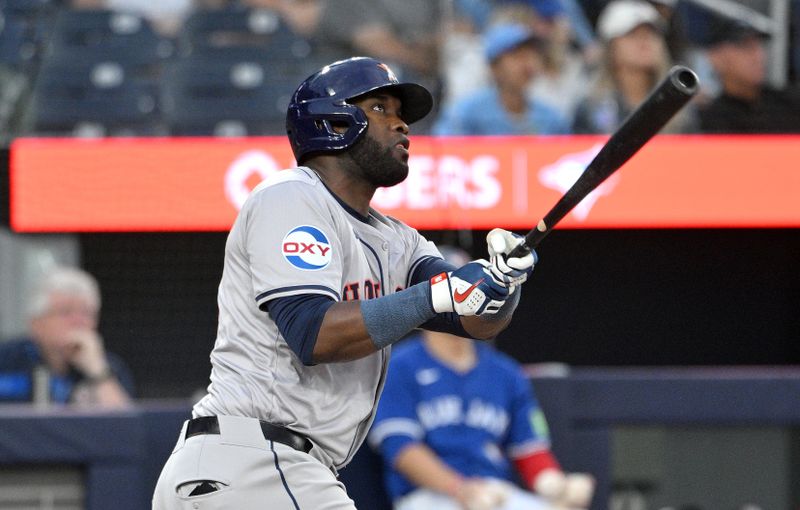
[(357, 215)]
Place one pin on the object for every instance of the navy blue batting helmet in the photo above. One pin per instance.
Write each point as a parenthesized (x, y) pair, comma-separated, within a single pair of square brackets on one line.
[(322, 101)]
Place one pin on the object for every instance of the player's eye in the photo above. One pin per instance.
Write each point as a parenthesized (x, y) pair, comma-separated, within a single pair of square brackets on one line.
[(379, 107)]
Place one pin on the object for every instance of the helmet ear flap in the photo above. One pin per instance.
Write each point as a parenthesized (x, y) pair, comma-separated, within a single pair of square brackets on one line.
[(312, 127)]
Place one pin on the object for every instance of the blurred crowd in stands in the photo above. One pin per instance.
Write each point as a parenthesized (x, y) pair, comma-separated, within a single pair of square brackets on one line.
[(228, 67)]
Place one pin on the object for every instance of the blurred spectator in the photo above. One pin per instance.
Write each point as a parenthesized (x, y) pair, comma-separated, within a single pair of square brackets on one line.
[(562, 77), (551, 13), (746, 104), (674, 29), (569, 48), (636, 59), (406, 35), (459, 428), (63, 359), (514, 53)]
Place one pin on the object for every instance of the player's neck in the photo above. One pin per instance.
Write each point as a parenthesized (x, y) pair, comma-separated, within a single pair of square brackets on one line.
[(356, 193)]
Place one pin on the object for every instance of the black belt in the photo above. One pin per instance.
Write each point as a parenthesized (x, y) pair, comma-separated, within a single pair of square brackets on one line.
[(210, 425)]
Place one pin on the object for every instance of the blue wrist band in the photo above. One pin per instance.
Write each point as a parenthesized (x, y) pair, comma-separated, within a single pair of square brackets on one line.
[(390, 318)]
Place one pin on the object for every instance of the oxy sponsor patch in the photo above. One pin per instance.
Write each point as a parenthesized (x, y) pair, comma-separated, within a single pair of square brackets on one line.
[(306, 247)]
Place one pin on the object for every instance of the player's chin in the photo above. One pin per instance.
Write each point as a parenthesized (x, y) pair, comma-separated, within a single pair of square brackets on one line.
[(401, 154), (392, 175)]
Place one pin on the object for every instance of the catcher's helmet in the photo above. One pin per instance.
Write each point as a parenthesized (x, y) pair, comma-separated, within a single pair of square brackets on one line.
[(322, 99)]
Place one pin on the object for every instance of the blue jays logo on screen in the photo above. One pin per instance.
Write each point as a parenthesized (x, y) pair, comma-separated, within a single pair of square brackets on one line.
[(307, 248)]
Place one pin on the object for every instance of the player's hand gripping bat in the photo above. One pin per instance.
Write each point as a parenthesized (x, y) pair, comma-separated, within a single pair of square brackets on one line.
[(656, 110)]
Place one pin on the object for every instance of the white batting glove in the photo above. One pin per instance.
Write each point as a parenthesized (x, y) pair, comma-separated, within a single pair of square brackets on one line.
[(511, 270), (469, 290), (573, 490)]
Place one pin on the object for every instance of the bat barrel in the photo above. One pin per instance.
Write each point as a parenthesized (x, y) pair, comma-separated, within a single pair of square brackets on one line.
[(663, 102), (684, 79)]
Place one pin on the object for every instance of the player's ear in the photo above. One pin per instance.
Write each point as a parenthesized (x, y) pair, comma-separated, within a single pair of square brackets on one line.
[(339, 126)]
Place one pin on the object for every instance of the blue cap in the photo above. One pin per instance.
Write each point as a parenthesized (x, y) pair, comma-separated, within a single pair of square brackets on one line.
[(504, 37)]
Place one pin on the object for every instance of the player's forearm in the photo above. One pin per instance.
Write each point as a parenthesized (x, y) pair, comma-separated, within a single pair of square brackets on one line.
[(354, 329), (489, 326), (424, 468), (343, 335)]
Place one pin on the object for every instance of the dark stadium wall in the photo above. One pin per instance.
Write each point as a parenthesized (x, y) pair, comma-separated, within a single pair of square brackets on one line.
[(610, 297), (159, 304)]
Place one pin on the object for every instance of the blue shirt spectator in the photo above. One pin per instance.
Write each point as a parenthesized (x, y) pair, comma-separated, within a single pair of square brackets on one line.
[(63, 359), (505, 107), (19, 361), (483, 114), (458, 424)]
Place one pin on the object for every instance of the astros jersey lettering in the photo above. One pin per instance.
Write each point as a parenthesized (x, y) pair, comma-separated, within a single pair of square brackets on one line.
[(294, 237)]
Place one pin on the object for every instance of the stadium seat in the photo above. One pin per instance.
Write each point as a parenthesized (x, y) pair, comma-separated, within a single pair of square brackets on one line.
[(22, 34), (92, 36), (225, 98), (25, 7), (99, 99), (15, 46), (261, 34)]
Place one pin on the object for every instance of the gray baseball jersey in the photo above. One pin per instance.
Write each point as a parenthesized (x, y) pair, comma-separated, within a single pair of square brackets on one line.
[(294, 237)]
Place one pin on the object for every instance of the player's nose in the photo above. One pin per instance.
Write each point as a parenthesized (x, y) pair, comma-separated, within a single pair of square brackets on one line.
[(400, 125)]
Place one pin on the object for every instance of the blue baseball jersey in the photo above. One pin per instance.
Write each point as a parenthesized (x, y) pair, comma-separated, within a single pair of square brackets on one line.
[(476, 421)]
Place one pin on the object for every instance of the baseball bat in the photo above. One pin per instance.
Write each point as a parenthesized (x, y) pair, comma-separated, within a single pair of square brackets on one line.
[(663, 102)]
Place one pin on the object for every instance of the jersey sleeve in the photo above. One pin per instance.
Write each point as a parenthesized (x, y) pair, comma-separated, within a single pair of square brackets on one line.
[(291, 242), (396, 425), (299, 319), (427, 267), (528, 432)]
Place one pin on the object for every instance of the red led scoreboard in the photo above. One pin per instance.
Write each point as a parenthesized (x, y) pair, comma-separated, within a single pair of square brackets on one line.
[(198, 184)]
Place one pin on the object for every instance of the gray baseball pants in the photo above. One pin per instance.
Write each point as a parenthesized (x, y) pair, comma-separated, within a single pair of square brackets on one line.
[(238, 468)]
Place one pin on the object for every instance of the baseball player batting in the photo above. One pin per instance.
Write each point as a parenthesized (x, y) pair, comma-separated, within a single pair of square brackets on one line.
[(316, 287)]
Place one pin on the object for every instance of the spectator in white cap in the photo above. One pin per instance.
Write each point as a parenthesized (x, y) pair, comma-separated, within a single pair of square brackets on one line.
[(635, 60), (514, 54)]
